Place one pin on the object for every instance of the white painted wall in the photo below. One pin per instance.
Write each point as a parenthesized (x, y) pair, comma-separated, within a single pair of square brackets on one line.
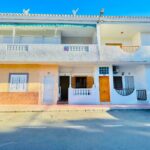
[(92, 99), (94, 38), (77, 71), (136, 40), (147, 79), (141, 75), (115, 54), (131, 99), (138, 71), (124, 41), (145, 39), (48, 53), (6, 39)]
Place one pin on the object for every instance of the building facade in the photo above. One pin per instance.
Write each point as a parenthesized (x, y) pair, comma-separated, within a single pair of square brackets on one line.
[(73, 59)]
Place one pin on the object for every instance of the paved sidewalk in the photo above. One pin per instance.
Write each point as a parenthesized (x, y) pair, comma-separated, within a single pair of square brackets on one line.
[(53, 108), (76, 130)]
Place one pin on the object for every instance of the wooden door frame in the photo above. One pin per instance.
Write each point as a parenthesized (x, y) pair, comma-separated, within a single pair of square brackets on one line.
[(109, 100), (60, 98)]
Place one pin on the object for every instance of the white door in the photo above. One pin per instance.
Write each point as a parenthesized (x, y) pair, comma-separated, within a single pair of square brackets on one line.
[(48, 90)]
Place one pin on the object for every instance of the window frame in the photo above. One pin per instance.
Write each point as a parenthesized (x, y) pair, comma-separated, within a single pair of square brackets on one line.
[(79, 79), (122, 84), (104, 70), (27, 75)]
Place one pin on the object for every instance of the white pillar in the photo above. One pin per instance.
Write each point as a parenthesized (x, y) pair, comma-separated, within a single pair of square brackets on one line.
[(96, 77), (13, 35), (70, 81), (111, 83), (98, 28)]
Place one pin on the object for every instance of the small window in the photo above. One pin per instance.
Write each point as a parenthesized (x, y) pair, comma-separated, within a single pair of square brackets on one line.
[(114, 44), (18, 82), (118, 85), (81, 82), (104, 70)]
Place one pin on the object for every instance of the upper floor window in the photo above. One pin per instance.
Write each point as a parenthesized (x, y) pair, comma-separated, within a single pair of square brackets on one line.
[(18, 82)]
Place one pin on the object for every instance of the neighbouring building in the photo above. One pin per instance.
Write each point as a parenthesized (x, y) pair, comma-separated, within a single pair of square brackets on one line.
[(74, 59)]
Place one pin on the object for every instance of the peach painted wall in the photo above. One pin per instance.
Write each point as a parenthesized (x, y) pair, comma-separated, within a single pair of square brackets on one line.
[(36, 75)]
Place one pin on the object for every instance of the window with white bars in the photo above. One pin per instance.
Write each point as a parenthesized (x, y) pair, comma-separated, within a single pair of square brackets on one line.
[(104, 70), (18, 82), (129, 82)]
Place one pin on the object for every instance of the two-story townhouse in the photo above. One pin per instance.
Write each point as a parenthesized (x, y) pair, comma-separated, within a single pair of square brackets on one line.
[(74, 59), (124, 68), (48, 59)]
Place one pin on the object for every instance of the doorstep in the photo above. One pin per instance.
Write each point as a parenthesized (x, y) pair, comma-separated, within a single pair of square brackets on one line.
[(70, 108)]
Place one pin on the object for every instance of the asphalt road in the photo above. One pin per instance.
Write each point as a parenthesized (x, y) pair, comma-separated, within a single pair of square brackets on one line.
[(112, 130)]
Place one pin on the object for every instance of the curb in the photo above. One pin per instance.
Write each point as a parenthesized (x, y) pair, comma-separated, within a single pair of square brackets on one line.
[(73, 110)]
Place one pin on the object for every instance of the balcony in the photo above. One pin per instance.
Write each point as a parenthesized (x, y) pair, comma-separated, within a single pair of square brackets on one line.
[(48, 53), (125, 54), (84, 96)]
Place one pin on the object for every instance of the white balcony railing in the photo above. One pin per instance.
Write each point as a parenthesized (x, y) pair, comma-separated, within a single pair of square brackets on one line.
[(83, 96), (76, 48), (117, 54), (130, 49), (16, 47), (82, 92), (51, 53)]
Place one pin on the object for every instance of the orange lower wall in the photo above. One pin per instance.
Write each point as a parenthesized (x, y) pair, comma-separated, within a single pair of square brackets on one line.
[(31, 98), (35, 83)]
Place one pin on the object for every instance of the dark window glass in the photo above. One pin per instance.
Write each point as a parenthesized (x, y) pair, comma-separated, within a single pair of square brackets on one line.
[(80, 82), (118, 83)]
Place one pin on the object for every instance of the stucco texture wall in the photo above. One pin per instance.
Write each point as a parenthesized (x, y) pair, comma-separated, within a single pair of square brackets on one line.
[(35, 83)]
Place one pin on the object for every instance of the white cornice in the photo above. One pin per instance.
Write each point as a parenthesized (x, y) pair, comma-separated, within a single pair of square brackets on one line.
[(125, 19), (48, 18)]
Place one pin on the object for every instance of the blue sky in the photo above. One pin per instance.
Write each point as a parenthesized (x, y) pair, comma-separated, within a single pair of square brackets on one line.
[(112, 7)]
